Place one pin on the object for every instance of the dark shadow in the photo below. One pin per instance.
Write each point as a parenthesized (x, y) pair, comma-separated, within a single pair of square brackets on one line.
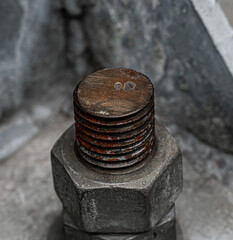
[(56, 231), (179, 235)]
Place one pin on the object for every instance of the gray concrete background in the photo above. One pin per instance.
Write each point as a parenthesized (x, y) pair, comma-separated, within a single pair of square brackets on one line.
[(227, 6), (47, 47)]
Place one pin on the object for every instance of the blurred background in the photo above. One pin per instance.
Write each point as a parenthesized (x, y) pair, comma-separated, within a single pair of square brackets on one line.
[(47, 47)]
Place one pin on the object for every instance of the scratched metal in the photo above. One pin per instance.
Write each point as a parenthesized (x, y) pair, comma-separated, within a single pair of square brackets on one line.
[(114, 136), (114, 118), (120, 157), (116, 164), (113, 151), (115, 144), (115, 129), (105, 197), (164, 230), (111, 121), (114, 92)]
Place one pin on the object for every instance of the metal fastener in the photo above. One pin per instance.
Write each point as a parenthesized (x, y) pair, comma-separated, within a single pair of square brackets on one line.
[(117, 171), (114, 118)]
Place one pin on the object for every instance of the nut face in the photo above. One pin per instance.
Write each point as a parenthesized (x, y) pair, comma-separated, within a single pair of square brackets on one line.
[(165, 229), (128, 202)]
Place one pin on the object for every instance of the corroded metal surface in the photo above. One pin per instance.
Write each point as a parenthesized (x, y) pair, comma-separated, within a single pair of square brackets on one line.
[(124, 200), (114, 117), (165, 230), (100, 192), (114, 92)]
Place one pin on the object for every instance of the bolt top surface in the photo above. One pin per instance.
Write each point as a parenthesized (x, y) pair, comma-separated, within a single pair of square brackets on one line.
[(114, 92)]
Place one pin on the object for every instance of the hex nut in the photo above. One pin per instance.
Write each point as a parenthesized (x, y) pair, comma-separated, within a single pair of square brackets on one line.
[(165, 229), (130, 202)]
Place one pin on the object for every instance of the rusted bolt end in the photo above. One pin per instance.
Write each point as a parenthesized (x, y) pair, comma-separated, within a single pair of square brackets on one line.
[(114, 117)]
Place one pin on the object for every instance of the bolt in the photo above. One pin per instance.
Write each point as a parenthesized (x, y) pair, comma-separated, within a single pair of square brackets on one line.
[(117, 171), (114, 118)]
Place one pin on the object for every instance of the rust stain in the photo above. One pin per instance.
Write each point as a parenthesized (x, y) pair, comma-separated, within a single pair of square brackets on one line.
[(114, 118)]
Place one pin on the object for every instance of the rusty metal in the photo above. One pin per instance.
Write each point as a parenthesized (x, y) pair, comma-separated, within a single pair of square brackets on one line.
[(120, 173), (114, 118), (114, 200), (165, 230)]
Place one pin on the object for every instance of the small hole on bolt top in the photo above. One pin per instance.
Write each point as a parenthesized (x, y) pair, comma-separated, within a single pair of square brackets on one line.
[(117, 86), (155, 235), (129, 86)]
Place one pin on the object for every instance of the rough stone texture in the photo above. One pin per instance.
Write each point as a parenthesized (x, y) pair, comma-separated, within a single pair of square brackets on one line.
[(94, 200), (31, 45), (14, 137), (28, 204), (168, 41), (73, 7), (11, 17), (212, 17), (211, 162), (17, 130), (204, 209), (77, 47), (227, 6)]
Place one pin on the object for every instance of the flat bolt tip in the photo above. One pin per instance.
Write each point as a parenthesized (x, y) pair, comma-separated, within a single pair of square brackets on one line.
[(114, 92)]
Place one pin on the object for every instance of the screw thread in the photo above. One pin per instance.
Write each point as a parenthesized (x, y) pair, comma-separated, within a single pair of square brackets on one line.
[(111, 141)]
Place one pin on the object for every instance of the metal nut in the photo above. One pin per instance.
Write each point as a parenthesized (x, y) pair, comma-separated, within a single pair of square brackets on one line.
[(166, 229), (129, 201)]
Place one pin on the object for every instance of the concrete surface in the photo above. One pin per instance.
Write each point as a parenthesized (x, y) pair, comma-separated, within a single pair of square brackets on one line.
[(227, 6), (218, 27), (14, 137), (28, 204), (31, 50), (29, 208)]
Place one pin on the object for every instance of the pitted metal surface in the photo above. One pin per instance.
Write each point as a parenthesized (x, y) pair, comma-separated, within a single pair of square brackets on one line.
[(117, 171), (114, 92), (114, 118), (118, 200), (165, 230)]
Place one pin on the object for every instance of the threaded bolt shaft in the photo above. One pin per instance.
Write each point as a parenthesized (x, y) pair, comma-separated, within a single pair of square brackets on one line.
[(114, 118)]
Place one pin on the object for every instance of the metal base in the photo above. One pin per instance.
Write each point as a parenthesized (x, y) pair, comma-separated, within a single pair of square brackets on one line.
[(165, 230)]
